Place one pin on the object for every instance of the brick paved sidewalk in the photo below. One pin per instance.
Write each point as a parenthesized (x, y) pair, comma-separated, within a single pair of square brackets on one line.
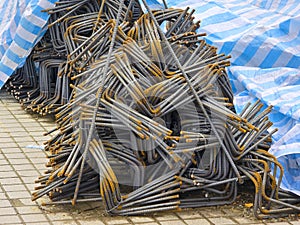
[(21, 162)]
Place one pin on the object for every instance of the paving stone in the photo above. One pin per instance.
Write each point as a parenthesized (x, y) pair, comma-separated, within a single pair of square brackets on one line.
[(67, 222), (23, 167), (10, 181), (7, 211), (29, 180), (35, 129), (11, 150), (19, 161), (8, 174), (18, 194), (173, 222), (141, 219), (18, 134), (18, 129), (23, 116), (222, 221), (9, 144), (243, 220), (28, 173), (11, 219), (39, 223), (59, 216), (295, 222), (117, 221), (15, 155), (27, 202), (197, 221), (38, 160), (166, 217), (34, 218), (5, 140), (278, 223), (2, 196), (38, 154), (6, 168), (189, 215), (4, 203), (15, 187), (29, 210), (3, 162), (23, 139), (91, 222)]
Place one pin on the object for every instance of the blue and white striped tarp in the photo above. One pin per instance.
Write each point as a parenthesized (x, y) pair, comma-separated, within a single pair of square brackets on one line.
[(263, 38), (22, 24)]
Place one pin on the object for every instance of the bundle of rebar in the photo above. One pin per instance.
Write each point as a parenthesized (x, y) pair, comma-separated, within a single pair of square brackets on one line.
[(144, 110)]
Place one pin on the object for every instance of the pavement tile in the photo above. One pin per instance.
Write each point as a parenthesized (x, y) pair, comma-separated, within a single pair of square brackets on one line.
[(29, 210), (3, 162), (59, 216), (197, 221), (243, 220), (28, 173), (23, 139), (5, 140), (140, 219), (34, 218), (18, 134), (8, 174), (173, 222), (10, 181), (164, 217), (4, 203), (222, 221), (6, 168), (117, 221), (35, 129), (11, 150), (39, 160), (7, 211), (14, 187), (2, 196), (39, 223), (11, 219), (295, 222), (278, 223), (19, 161), (91, 222), (23, 167), (67, 222), (38, 154), (9, 145), (15, 155), (17, 129), (29, 180), (189, 215), (27, 202), (18, 194)]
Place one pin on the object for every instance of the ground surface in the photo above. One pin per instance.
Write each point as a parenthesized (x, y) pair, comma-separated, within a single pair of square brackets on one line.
[(21, 163)]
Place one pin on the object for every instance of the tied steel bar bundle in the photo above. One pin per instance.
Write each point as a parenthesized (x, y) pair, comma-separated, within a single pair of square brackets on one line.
[(144, 112)]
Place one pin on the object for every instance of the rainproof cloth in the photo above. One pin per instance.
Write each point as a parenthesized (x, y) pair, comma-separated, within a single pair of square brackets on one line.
[(22, 25), (262, 36)]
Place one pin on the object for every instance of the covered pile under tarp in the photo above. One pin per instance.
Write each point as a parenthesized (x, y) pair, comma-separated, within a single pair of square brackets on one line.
[(263, 39)]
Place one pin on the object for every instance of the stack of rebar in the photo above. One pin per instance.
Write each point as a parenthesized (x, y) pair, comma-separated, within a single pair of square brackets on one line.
[(145, 114)]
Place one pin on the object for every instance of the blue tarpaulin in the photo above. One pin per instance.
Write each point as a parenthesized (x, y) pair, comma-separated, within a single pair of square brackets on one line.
[(262, 36)]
